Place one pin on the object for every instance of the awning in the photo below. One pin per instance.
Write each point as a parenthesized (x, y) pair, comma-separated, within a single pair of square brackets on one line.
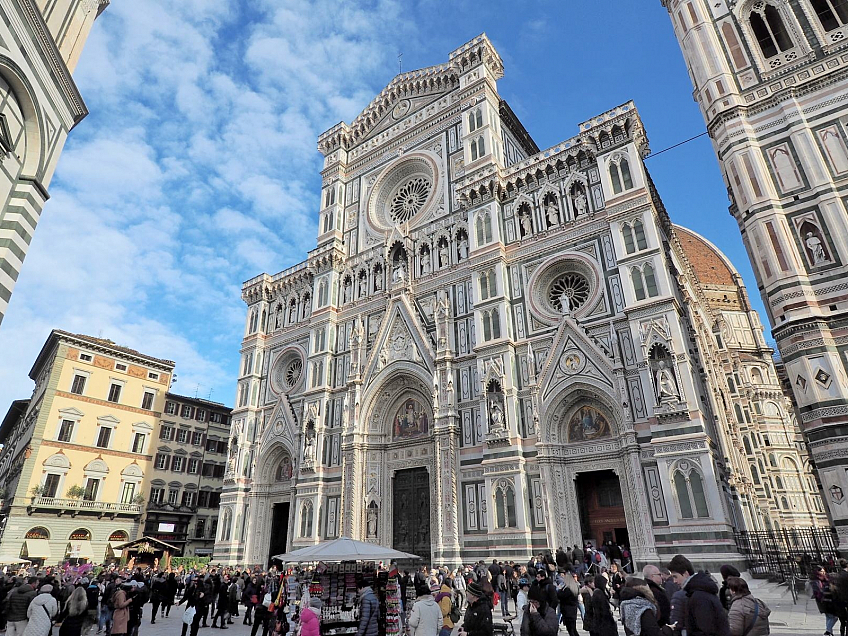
[(343, 549), (79, 550), (35, 549)]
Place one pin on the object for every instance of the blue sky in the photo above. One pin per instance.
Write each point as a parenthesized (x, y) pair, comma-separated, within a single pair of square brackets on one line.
[(197, 167)]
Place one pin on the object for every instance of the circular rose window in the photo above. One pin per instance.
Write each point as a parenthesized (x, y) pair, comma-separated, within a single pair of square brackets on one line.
[(287, 371), (404, 192), (573, 286), (573, 276)]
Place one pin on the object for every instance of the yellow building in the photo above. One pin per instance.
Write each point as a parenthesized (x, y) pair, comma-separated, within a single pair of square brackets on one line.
[(76, 458)]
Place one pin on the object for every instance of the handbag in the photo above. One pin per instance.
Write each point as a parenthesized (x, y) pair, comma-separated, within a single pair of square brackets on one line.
[(267, 599), (188, 615)]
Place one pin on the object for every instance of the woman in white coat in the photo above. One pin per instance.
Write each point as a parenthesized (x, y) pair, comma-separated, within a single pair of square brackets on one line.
[(41, 612), (425, 619)]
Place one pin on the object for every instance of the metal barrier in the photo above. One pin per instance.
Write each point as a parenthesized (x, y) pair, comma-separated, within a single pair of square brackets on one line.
[(792, 551)]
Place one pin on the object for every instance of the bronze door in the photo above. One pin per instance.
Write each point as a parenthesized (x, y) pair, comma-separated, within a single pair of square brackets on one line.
[(411, 513)]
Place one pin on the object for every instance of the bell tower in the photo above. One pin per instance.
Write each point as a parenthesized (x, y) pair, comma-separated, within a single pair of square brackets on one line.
[(771, 79)]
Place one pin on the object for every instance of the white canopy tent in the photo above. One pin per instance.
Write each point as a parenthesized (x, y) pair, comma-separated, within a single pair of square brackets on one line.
[(343, 549)]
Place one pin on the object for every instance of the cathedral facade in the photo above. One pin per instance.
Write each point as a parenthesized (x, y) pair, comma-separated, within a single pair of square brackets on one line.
[(495, 350), (771, 80)]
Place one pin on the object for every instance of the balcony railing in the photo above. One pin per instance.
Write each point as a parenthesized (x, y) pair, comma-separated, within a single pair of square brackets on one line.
[(82, 505)]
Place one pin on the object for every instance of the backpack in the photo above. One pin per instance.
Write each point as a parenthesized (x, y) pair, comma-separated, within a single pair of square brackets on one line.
[(455, 616)]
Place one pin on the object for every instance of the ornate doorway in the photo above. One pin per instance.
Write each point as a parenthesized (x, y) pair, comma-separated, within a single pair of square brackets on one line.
[(279, 530), (602, 517), (411, 512)]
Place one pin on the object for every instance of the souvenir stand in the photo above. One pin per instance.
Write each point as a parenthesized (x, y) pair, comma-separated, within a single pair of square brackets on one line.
[(340, 564)]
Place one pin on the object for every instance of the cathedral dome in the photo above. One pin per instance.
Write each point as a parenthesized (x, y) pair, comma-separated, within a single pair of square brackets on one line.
[(712, 269)]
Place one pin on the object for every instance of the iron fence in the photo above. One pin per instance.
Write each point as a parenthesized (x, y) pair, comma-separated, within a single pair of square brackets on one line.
[(781, 553)]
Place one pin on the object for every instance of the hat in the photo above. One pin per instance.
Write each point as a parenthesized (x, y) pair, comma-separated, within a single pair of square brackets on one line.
[(728, 571), (315, 602), (435, 586), (475, 588), (536, 594), (46, 589), (522, 582)]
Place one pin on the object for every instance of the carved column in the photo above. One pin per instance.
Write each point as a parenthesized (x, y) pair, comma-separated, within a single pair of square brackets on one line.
[(637, 508)]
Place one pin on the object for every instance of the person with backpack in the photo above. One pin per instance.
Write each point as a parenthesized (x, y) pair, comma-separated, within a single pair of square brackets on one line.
[(820, 586), (450, 610), (748, 616), (41, 612), (369, 610), (478, 617)]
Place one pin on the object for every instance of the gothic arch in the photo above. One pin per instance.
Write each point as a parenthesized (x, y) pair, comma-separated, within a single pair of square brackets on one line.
[(561, 406), (270, 457), (385, 395)]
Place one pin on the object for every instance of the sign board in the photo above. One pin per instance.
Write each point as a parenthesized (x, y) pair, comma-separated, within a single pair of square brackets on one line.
[(166, 527)]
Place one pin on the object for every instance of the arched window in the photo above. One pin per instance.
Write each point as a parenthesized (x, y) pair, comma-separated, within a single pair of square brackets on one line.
[(738, 411), (306, 513), (491, 325), (644, 282), (650, 281), (475, 119), (474, 153), (615, 178), (747, 441), (769, 30), (756, 376), (778, 483), (629, 242), (831, 13), (322, 293), (766, 488), (784, 503), (689, 487), (484, 228), (471, 125), (755, 475), (488, 284), (772, 460), (505, 505), (638, 283), (481, 146), (39, 532), (479, 116), (626, 179), (639, 233)]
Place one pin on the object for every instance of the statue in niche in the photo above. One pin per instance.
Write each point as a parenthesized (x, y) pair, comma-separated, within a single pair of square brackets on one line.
[(581, 203), (462, 248), (526, 224), (372, 521), (309, 445), (565, 303), (442, 318), (356, 337), (449, 390), (444, 255), (378, 279), (363, 287), (435, 392), (348, 285), (815, 248), (666, 384), (552, 211), (277, 315), (399, 273), (425, 262), (292, 313), (345, 407), (496, 416)]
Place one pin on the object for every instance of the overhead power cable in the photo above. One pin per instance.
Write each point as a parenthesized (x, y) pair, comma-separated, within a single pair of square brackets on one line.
[(654, 154)]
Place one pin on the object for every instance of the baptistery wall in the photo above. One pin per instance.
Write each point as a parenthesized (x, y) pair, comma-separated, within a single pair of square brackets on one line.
[(492, 350)]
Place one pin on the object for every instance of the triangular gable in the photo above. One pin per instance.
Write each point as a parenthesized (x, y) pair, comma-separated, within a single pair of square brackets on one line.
[(575, 356), (71, 412), (400, 339), (109, 419), (403, 109), (283, 426)]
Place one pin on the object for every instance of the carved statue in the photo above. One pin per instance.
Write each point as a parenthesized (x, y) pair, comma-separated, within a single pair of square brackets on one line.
[(462, 249), (425, 262), (581, 204), (526, 224), (449, 390), (372, 522), (496, 416), (292, 313), (553, 213), (398, 273), (816, 249), (347, 289), (345, 406), (565, 303), (666, 385), (444, 255), (442, 318), (378, 280), (435, 392), (363, 287)]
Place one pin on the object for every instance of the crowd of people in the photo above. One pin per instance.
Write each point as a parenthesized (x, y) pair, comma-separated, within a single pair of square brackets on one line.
[(538, 598)]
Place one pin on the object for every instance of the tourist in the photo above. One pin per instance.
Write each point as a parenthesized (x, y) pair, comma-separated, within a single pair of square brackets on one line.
[(223, 604), (748, 616), (546, 587), (107, 606), (478, 617), (617, 581), (568, 596), (41, 612), (521, 601), (169, 594), (369, 610), (310, 618), (157, 592), (17, 603), (425, 619), (121, 608), (74, 616), (586, 591), (638, 609), (701, 612), (540, 619), (250, 599), (820, 586), (653, 577), (724, 594), (603, 623), (445, 598), (459, 585)]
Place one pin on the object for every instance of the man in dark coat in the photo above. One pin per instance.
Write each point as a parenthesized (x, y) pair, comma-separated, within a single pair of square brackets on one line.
[(478, 618), (546, 588), (369, 610), (495, 571), (651, 573), (568, 596), (703, 614), (17, 603)]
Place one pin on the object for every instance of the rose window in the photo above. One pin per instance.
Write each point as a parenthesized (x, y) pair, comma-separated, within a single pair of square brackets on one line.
[(409, 199), (573, 286), (293, 372)]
